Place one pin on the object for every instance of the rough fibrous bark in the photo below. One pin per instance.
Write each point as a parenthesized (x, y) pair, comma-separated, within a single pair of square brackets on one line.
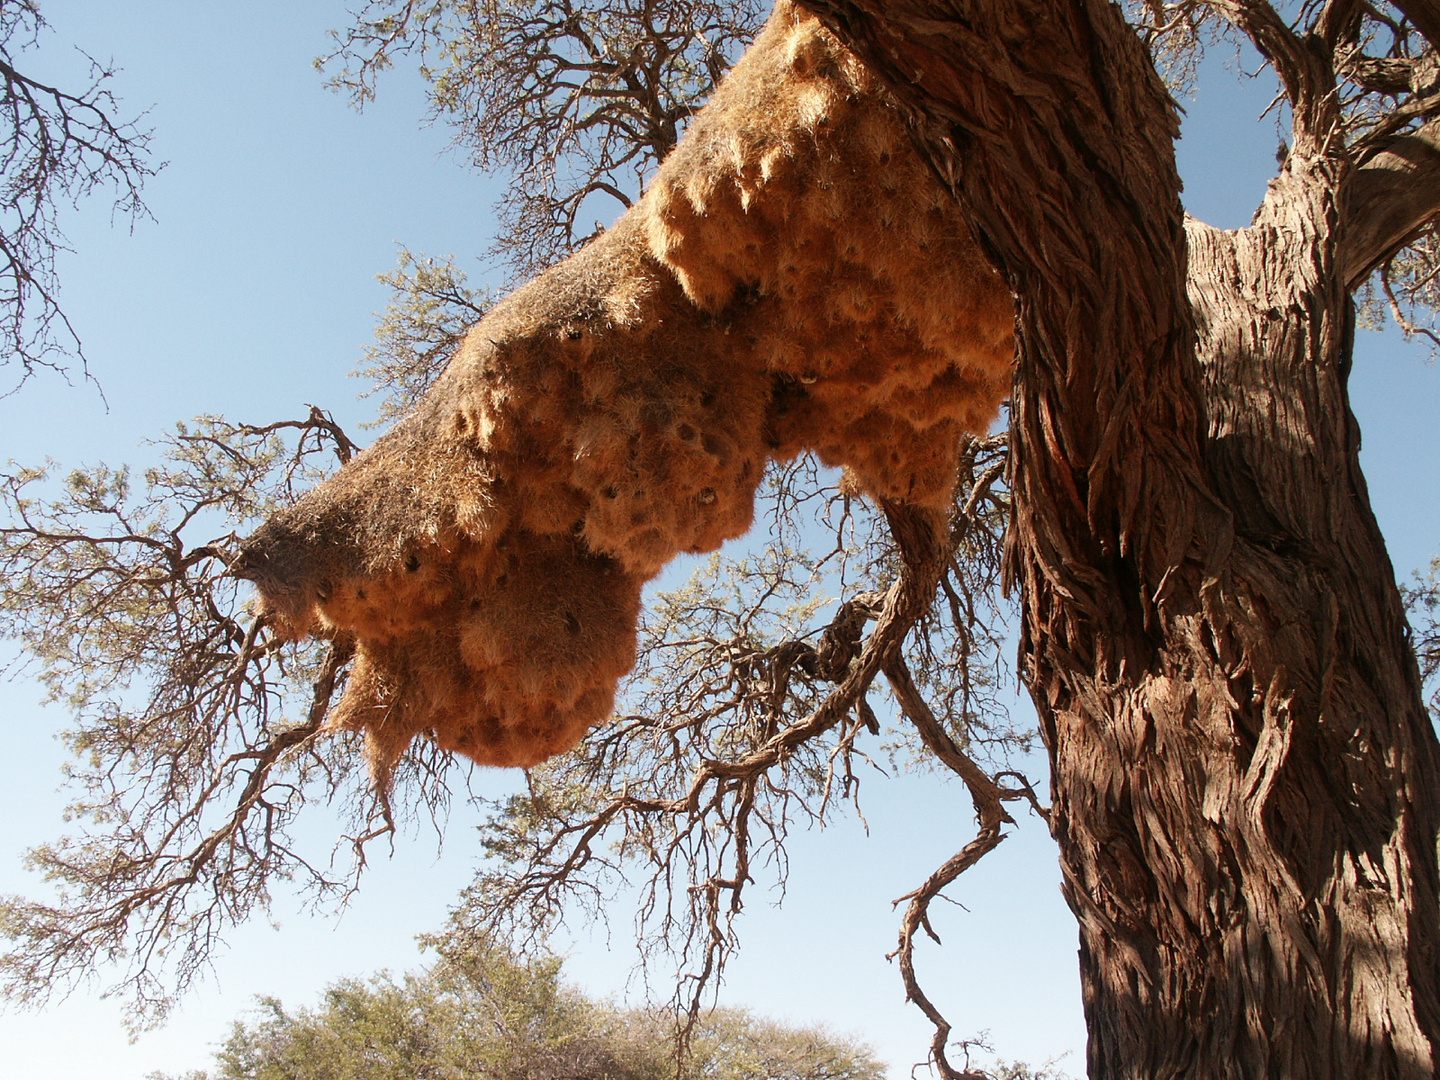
[(1387, 200), (1245, 781)]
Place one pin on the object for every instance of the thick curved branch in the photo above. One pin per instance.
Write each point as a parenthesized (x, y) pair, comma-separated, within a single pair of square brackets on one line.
[(1275, 39), (1388, 200), (1425, 15)]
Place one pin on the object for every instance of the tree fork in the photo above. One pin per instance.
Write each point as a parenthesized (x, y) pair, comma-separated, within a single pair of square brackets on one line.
[(1245, 781)]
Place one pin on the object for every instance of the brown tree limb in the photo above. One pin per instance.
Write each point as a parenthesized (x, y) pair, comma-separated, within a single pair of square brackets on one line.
[(1211, 632), (754, 765), (1387, 200), (988, 799), (1398, 313), (1275, 39), (1425, 16)]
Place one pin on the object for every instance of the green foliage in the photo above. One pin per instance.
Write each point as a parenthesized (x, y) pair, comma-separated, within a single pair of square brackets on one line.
[(194, 730), (198, 737), (481, 1012), (430, 310), (1407, 288), (1019, 1070)]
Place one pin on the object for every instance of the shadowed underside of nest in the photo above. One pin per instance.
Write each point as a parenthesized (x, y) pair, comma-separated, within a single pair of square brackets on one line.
[(794, 279)]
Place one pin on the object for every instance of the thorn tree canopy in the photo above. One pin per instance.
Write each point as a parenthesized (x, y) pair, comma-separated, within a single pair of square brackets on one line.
[(1244, 777)]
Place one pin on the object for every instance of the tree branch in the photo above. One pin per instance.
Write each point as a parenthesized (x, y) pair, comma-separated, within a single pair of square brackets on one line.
[(988, 797), (1388, 200), (1425, 15)]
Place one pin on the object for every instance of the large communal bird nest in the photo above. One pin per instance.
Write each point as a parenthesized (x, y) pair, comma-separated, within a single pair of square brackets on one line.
[(794, 279)]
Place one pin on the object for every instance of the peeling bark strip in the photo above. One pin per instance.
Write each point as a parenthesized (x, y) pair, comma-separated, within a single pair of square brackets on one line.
[(1245, 781), (795, 278)]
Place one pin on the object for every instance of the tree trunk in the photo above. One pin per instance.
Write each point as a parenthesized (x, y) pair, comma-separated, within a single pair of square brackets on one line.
[(1246, 786)]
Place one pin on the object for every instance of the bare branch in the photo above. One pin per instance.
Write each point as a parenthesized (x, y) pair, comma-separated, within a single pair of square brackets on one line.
[(56, 146), (190, 762), (745, 715), (1425, 15), (573, 100), (1277, 42)]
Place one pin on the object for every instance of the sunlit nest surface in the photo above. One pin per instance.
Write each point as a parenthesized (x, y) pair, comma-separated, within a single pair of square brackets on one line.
[(795, 279)]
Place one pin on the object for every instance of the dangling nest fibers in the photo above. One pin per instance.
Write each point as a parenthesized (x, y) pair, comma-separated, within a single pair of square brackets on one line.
[(795, 279)]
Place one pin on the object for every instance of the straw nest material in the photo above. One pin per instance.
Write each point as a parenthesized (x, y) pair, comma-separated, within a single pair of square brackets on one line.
[(794, 279)]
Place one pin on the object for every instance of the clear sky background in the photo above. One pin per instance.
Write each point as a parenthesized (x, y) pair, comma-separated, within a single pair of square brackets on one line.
[(253, 294)]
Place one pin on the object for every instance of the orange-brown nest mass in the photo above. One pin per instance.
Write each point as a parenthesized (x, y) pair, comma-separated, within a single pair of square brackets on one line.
[(794, 279)]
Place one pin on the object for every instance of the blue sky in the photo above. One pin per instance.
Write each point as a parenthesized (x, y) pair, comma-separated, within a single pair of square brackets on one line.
[(253, 294)]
